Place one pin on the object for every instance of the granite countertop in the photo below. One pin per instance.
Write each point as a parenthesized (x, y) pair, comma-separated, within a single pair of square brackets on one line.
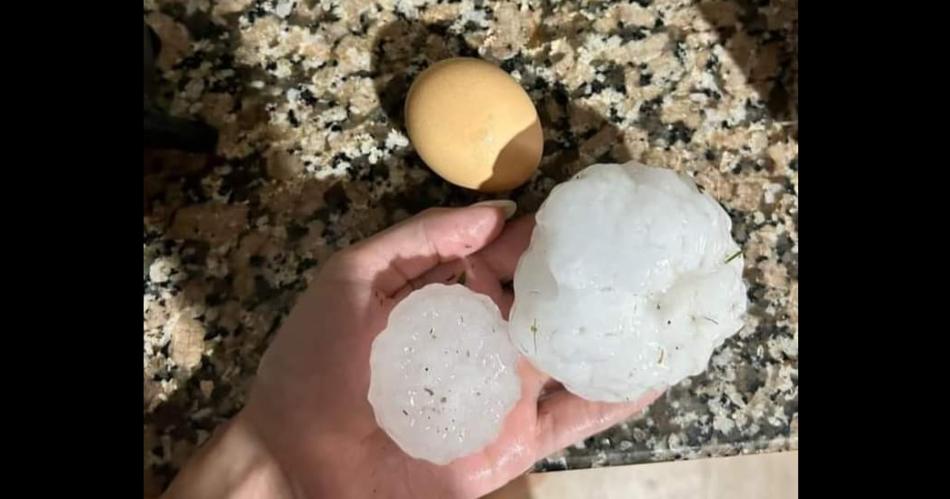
[(312, 156)]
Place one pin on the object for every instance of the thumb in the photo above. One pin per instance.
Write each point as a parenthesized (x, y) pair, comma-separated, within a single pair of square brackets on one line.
[(405, 251)]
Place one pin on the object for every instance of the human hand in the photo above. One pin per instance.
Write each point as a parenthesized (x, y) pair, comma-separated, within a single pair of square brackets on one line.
[(308, 408)]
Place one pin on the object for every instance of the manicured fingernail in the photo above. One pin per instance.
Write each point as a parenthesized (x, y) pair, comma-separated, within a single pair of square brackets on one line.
[(509, 206)]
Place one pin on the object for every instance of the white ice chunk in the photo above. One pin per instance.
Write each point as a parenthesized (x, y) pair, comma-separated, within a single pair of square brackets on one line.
[(443, 373), (630, 282)]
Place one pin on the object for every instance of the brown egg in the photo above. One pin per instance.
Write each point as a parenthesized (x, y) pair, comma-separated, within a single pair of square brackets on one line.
[(474, 125)]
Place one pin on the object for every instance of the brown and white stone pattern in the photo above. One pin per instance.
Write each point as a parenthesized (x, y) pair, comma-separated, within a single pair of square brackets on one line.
[(312, 156)]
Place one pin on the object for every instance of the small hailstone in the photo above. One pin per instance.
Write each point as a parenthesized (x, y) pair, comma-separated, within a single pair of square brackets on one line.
[(443, 373), (630, 282)]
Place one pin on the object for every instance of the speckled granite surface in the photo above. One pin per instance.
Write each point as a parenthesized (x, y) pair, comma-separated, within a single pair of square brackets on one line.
[(312, 156)]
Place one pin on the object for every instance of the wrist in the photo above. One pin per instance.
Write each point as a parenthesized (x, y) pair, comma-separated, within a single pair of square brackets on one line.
[(234, 463)]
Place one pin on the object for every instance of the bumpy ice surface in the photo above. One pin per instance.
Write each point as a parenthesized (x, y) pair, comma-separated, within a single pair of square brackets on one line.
[(630, 282), (443, 373)]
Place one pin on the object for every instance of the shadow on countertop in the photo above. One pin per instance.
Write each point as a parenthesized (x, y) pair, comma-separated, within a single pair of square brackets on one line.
[(759, 44)]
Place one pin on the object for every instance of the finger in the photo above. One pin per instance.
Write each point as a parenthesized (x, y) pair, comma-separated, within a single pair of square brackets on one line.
[(502, 255), (550, 388), (532, 379), (480, 279), (452, 272), (471, 272), (513, 451), (565, 418), (447, 273), (405, 251), (504, 304)]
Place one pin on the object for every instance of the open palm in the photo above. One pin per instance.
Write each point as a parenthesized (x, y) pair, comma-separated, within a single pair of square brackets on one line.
[(309, 406)]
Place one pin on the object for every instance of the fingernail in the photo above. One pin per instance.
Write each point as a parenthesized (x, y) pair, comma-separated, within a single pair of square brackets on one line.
[(507, 205)]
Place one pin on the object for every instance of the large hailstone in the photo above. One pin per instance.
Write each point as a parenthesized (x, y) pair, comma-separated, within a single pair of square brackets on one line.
[(630, 282), (443, 373)]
